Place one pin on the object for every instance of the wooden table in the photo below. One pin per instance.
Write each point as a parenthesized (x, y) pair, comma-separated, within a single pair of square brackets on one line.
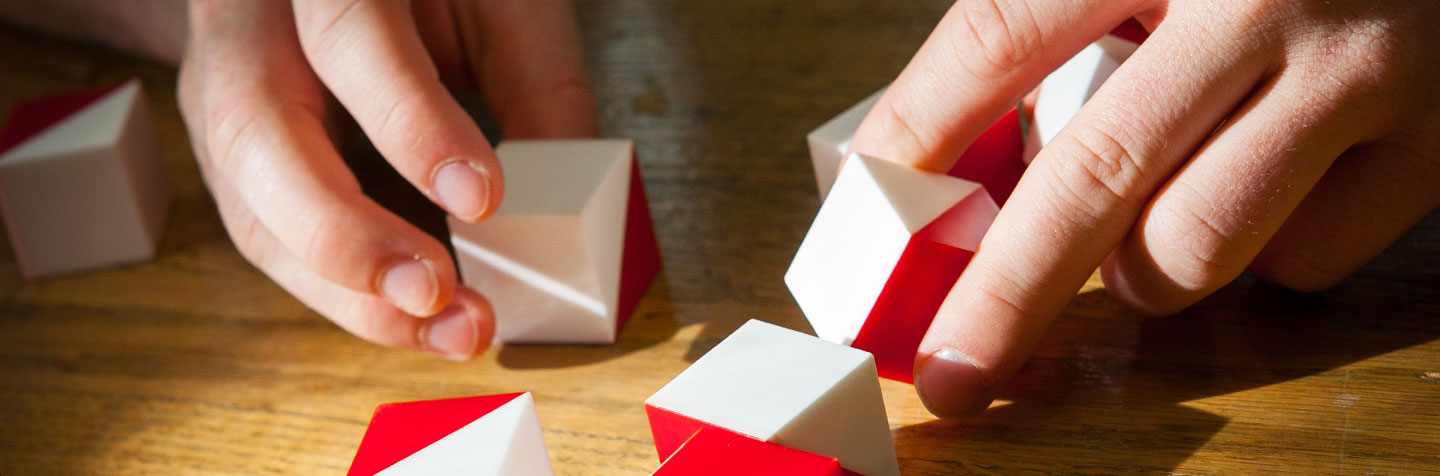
[(197, 363)]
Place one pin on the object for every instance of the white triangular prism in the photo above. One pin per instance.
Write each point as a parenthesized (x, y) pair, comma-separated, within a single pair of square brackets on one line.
[(504, 442), (95, 126), (549, 259), (789, 388)]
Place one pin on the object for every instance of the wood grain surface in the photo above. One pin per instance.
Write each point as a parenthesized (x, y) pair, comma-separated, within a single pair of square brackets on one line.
[(198, 364)]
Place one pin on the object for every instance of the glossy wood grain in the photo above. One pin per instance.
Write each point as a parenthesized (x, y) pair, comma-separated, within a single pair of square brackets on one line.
[(198, 364)]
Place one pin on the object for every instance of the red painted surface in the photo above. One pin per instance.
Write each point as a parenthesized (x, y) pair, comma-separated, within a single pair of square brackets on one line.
[(926, 272), (30, 118), (671, 429), (718, 452), (398, 430), (1131, 30), (640, 259), (995, 158), (928, 268)]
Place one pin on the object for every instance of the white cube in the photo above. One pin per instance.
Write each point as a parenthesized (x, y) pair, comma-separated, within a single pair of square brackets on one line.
[(82, 183), (784, 387), (494, 435), (571, 248), (887, 245)]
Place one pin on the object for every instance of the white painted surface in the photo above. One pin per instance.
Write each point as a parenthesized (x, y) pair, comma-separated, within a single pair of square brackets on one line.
[(830, 142), (858, 236), (88, 192), (792, 389), (504, 442), (1066, 90), (549, 259)]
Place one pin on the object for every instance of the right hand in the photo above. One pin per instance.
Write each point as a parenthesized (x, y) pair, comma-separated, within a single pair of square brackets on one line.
[(253, 87)]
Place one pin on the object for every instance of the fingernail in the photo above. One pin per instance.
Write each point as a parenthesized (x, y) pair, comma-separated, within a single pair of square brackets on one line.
[(950, 385), (462, 189), (411, 285), (450, 334)]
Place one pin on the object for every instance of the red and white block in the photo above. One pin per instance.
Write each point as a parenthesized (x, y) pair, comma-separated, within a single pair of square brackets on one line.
[(993, 159), (496, 435), (884, 250), (571, 250), (82, 182), (780, 387), (719, 452), (1066, 90)]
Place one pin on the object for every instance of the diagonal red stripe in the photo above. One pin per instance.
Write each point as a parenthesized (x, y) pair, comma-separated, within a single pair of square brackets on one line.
[(30, 118), (398, 430)]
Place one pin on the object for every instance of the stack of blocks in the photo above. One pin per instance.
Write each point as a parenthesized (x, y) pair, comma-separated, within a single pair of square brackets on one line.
[(82, 183), (570, 251)]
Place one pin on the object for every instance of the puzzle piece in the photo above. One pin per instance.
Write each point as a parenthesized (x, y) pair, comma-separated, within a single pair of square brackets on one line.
[(718, 452), (782, 387), (993, 159), (570, 251), (884, 250), (1066, 90), (496, 435), (82, 182), (831, 141)]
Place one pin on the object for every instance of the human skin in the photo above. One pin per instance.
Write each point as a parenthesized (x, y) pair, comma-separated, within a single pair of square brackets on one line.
[(253, 91), (1295, 138)]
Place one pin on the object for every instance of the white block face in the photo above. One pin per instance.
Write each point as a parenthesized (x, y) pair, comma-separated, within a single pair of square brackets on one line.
[(789, 388), (858, 237), (831, 141), (504, 442), (89, 191), (1065, 90), (549, 259)]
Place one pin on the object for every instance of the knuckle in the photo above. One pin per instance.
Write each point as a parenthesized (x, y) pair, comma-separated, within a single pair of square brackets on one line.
[(231, 134), (321, 24), (905, 130), (1099, 172), (995, 37), (1194, 249)]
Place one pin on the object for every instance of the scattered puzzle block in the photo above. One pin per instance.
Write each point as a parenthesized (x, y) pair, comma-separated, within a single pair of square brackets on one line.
[(831, 141), (718, 452), (82, 182), (569, 253), (497, 435), (993, 160), (1066, 90), (884, 250), (783, 387)]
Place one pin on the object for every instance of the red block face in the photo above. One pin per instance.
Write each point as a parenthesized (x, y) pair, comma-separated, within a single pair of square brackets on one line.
[(718, 452), (495, 435)]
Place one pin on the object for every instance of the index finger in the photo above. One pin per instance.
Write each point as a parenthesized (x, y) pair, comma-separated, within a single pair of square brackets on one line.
[(1075, 203)]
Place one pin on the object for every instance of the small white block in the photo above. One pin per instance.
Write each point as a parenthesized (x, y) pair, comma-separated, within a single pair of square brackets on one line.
[(88, 191), (549, 259), (791, 389), (505, 442), (831, 141), (1066, 90), (862, 230)]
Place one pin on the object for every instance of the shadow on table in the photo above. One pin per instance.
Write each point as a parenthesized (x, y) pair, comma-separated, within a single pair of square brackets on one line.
[(1105, 392)]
